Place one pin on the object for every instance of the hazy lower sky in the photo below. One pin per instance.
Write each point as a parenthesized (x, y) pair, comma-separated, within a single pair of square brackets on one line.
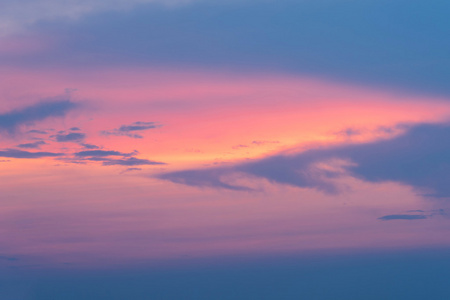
[(254, 149)]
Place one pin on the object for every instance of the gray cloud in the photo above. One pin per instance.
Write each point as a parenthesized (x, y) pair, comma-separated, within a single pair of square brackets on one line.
[(136, 126), (128, 130), (70, 137), (419, 215), (100, 153), (35, 145), (203, 178), (131, 161), (37, 131), (89, 146), (403, 217), (420, 158), (13, 153), (130, 170), (338, 39), (104, 156), (11, 121)]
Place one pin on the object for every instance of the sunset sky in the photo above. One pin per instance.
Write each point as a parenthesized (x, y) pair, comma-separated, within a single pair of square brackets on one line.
[(200, 149)]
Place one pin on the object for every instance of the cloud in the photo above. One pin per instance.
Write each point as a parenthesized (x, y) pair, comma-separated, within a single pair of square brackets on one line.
[(136, 126), (421, 216), (420, 157), (11, 121), (70, 137), (127, 130), (35, 145), (75, 129), (130, 170), (37, 131), (100, 153), (211, 178), (403, 217), (89, 146), (15, 17), (132, 161), (259, 143), (104, 156), (340, 40), (13, 153)]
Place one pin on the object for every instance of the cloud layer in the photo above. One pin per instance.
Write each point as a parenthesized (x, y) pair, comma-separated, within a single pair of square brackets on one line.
[(340, 39), (420, 158), (15, 16)]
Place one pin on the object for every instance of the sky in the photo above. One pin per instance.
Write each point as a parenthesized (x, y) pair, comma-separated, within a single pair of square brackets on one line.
[(199, 149)]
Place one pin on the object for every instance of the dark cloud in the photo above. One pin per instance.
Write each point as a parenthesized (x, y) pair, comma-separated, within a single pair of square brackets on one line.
[(37, 131), (403, 217), (337, 39), (70, 137), (131, 161), (11, 121), (89, 146), (420, 157), (100, 153), (13, 153), (420, 215), (127, 130), (104, 156), (211, 178), (75, 129), (35, 145), (136, 126)]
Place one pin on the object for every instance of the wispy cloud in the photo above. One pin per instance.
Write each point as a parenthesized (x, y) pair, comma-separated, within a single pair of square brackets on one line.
[(130, 170), (132, 161), (14, 153), (35, 145), (211, 178), (12, 120), (129, 130), (403, 217), (100, 153), (89, 146), (113, 158), (419, 214), (420, 158), (37, 131), (70, 137)]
